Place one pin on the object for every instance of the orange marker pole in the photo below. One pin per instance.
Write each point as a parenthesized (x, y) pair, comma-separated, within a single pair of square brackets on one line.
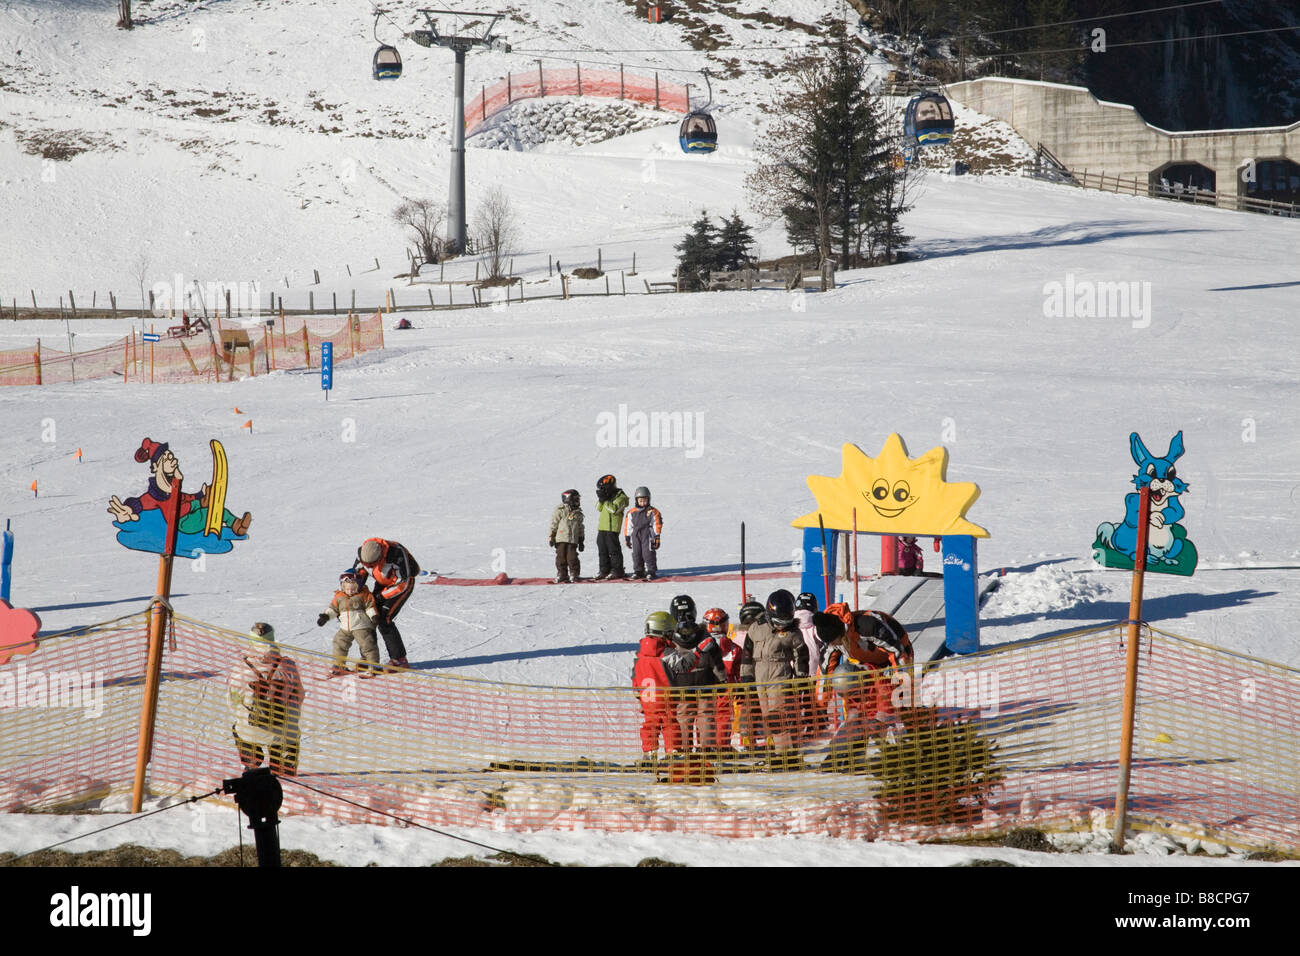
[(1131, 667), (35, 493)]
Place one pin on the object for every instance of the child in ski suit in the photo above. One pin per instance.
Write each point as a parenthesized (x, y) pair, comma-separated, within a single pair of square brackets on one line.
[(652, 680), (567, 537), (910, 559), (611, 503), (642, 526), (859, 660), (355, 610)]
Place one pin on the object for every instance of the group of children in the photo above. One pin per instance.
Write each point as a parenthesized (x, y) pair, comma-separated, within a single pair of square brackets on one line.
[(640, 526), (787, 675)]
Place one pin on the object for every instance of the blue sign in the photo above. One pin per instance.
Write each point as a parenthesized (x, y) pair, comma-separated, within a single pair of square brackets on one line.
[(327, 365), (6, 559), (151, 336)]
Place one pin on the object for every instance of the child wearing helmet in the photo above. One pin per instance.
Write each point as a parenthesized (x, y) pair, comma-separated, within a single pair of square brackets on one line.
[(611, 503), (355, 610), (642, 526), (812, 705), (652, 681), (727, 702), (568, 537), (779, 657)]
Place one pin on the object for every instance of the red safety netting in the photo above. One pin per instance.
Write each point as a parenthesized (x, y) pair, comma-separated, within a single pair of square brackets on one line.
[(232, 351), (1025, 736), (650, 90)]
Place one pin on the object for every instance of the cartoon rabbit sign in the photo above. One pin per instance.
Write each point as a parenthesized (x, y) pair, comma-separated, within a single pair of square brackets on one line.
[(1168, 549)]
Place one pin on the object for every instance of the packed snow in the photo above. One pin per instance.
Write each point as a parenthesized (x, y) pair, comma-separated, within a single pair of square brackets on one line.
[(458, 438)]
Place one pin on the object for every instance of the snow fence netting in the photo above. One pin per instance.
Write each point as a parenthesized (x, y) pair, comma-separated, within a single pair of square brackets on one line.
[(233, 351), (650, 90), (1021, 736)]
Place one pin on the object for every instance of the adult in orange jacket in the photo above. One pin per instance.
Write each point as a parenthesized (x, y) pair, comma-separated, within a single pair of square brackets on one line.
[(393, 569)]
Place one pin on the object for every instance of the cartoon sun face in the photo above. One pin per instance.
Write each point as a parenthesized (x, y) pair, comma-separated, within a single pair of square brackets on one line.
[(907, 495), (890, 501)]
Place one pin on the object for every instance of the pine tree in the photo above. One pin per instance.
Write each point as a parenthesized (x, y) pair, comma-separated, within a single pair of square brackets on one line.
[(735, 240), (698, 254), (827, 159)]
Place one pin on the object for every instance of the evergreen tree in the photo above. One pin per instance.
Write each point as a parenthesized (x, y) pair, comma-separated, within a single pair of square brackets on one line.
[(698, 253), (827, 159), (735, 240)]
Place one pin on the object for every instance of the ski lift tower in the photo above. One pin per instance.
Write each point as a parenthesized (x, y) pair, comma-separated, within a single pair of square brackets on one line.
[(467, 32)]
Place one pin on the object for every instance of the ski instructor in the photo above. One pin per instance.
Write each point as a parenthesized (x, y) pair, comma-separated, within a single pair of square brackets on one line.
[(393, 569)]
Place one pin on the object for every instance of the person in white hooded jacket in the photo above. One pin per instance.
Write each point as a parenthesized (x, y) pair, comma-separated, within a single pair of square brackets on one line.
[(265, 695)]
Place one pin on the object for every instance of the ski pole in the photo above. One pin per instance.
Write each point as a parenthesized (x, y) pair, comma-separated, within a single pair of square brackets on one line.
[(855, 559), (744, 595)]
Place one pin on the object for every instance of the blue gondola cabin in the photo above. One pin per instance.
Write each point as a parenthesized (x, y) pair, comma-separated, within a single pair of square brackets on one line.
[(388, 63), (698, 134), (928, 120)]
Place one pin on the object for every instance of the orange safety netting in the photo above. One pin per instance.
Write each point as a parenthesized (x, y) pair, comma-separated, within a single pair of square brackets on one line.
[(1022, 736), (232, 352), (650, 90)]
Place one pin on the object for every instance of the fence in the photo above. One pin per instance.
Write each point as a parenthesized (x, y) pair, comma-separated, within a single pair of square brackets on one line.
[(1034, 744), (574, 82), (1175, 191), (231, 352)]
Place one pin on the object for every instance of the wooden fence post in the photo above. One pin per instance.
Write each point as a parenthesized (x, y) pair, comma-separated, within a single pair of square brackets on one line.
[(36, 357), (306, 344), (73, 302)]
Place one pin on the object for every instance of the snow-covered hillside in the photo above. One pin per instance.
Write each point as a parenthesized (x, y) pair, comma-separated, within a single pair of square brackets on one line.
[(458, 439)]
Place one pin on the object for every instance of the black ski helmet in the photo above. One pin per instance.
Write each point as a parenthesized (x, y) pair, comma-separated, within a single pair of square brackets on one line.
[(570, 497), (750, 612), (780, 609), (806, 601), (683, 608), (606, 485), (688, 634)]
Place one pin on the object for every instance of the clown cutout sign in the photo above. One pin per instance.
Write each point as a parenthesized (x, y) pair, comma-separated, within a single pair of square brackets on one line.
[(205, 524)]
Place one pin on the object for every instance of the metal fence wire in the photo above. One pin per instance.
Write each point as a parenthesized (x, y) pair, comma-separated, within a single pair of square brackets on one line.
[(1022, 736)]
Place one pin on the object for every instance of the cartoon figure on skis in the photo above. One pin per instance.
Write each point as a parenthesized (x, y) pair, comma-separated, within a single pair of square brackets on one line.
[(205, 523), (1168, 549)]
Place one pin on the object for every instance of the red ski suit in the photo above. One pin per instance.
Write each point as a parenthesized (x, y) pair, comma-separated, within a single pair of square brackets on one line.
[(659, 713)]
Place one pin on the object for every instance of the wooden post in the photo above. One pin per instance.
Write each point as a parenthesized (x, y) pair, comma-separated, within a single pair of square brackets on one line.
[(657, 90), (311, 302), (334, 297), (158, 615), (579, 65), (633, 263), (349, 268), (306, 344), (620, 81), (541, 80), (316, 273), (441, 267), (600, 260), (353, 307), (36, 357), (564, 285), (126, 356), (510, 89), (623, 279), (1131, 667), (432, 307), (270, 342), (606, 283)]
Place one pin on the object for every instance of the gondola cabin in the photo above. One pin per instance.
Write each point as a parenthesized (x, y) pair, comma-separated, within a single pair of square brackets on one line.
[(388, 63), (698, 134), (928, 120)]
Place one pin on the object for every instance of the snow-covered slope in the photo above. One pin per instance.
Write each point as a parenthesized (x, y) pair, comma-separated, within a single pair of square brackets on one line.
[(459, 438)]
